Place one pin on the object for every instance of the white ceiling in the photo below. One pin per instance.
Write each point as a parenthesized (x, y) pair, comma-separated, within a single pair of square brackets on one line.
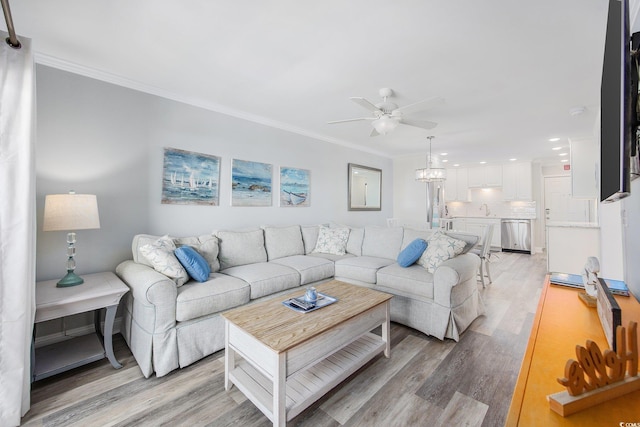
[(509, 71)]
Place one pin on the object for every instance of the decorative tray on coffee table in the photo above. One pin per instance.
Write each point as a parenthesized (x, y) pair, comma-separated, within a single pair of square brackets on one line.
[(301, 305)]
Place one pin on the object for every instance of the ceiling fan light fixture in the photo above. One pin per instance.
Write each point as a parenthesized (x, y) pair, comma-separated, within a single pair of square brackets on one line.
[(385, 124)]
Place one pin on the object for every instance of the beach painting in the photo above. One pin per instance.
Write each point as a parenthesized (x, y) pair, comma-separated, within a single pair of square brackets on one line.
[(190, 178), (250, 183), (294, 187)]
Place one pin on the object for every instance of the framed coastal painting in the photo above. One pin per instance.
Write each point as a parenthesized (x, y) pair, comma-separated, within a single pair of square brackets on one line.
[(251, 183), (190, 178), (294, 187)]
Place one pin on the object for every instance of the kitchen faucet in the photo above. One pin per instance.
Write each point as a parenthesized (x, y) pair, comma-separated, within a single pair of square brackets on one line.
[(487, 212)]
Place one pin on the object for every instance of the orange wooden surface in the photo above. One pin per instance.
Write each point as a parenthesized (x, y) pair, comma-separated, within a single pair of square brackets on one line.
[(562, 321)]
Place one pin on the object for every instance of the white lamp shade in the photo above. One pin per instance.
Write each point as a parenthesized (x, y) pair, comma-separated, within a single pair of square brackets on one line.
[(385, 124), (69, 212), (431, 174)]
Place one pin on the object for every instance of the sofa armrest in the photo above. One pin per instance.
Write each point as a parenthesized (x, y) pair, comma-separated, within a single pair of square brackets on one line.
[(154, 292), (457, 272)]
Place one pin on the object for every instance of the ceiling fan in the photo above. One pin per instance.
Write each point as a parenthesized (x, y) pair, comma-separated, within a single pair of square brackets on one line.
[(387, 115)]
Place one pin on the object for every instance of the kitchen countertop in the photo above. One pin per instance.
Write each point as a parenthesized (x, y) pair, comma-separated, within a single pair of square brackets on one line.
[(569, 224), (491, 217)]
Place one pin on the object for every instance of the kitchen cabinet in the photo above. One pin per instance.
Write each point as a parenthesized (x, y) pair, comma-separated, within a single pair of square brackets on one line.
[(456, 188), (477, 226), (485, 176), (517, 182)]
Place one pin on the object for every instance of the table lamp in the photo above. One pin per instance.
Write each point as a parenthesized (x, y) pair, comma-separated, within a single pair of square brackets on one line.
[(70, 212)]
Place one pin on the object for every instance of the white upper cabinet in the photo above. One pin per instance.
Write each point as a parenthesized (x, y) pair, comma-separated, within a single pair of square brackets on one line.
[(456, 188), (516, 182), (485, 176), (584, 168)]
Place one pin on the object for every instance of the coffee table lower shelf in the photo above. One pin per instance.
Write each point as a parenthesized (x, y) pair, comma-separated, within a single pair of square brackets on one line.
[(307, 385)]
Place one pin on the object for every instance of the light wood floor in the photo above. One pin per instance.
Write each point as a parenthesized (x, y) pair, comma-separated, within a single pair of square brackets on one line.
[(426, 382)]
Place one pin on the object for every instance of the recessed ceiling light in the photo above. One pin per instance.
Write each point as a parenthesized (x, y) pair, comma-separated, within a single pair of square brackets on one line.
[(513, 160), (443, 154), (445, 161), (457, 164), (554, 139), (563, 154), (557, 148), (564, 160), (483, 162)]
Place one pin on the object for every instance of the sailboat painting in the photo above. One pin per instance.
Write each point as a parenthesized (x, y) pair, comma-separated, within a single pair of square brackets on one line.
[(250, 183), (190, 178), (294, 187)]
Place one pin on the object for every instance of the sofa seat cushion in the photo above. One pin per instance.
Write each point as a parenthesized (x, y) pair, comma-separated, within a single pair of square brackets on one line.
[(409, 281), (265, 278), (330, 257), (362, 268), (311, 269), (219, 293)]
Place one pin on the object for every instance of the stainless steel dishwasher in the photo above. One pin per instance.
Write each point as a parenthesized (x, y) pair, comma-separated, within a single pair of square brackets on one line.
[(516, 235)]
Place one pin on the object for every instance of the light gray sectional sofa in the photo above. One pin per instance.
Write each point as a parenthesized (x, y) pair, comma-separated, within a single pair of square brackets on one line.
[(168, 324)]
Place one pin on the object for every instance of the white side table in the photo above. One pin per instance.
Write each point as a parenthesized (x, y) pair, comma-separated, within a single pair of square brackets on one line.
[(100, 290)]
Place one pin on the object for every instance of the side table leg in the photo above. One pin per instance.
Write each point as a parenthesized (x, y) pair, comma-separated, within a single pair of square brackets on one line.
[(386, 332), (229, 358), (280, 392), (109, 318)]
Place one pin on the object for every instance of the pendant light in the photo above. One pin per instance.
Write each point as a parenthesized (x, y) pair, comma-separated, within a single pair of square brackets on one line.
[(433, 172)]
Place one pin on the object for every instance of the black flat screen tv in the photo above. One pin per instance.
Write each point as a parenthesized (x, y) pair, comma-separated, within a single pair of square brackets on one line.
[(617, 92)]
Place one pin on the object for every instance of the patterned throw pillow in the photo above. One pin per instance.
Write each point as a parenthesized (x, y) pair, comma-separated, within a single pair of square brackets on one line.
[(160, 255), (440, 248), (332, 240)]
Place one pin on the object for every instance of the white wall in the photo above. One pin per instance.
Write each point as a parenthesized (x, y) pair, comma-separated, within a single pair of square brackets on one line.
[(631, 238), (98, 138)]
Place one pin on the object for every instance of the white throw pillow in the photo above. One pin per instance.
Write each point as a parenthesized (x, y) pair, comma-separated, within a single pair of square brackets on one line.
[(440, 248), (160, 255), (332, 240)]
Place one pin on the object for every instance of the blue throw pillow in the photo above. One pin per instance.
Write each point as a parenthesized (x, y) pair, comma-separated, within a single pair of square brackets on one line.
[(197, 267), (412, 252)]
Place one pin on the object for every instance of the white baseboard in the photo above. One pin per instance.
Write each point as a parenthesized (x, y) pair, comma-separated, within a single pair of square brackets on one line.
[(75, 332)]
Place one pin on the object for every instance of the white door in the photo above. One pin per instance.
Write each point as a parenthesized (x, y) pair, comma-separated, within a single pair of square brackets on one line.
[(559, 205)]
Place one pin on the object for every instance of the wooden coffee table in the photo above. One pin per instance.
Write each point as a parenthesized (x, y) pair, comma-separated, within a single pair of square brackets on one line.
[(288, 360)]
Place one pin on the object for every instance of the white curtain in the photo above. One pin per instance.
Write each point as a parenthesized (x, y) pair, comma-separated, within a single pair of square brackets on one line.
[(17, 227)]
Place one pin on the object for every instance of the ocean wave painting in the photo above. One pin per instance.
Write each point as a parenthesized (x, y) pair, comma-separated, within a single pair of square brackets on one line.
[(190, 178), (294, 187), (250, 183)]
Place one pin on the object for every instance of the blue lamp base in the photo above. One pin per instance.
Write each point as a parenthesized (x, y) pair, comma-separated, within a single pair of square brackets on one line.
[(70, 279)]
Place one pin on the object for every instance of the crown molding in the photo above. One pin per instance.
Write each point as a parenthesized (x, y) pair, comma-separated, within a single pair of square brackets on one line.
[(53, 62)]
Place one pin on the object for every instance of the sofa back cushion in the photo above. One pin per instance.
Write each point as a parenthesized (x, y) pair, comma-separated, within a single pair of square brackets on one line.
[(241, 248), (382, 242), (309, 237), (354, 244), (282, 242)]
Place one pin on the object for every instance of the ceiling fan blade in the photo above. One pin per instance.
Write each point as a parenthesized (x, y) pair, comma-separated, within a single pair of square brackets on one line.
[(420, 105), (374, 132), (366, 104), (351, 120), (423, 124)]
